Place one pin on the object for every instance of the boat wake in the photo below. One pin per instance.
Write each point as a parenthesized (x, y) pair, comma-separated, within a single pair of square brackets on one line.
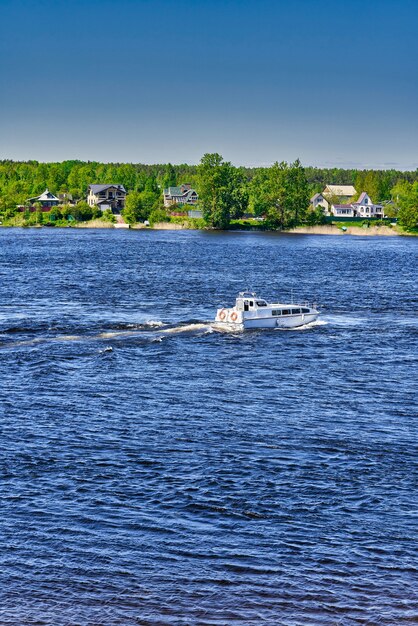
[(188, 328), (160, 327), (152, 331), (321, 322)]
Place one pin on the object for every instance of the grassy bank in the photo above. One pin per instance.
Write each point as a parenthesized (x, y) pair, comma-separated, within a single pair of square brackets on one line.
[(182, 223), (333, 229)]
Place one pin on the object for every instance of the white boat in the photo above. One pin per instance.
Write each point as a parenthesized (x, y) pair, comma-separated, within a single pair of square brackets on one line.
[(250, 311)]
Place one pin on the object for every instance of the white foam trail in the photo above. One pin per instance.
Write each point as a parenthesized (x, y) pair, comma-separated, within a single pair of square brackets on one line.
[(307, 326), (320, 322), (344, 320), (202, 327), (185, 329), (222, 327)]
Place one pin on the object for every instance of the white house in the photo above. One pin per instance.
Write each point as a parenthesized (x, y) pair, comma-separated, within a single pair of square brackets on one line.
[(342, 210), (364, 207), (319, 200), (111, 197), (343, 192), (180, 195)]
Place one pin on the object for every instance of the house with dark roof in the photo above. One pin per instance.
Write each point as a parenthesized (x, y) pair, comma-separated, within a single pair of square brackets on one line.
[(46, 200), (111, 197), (180, 195)]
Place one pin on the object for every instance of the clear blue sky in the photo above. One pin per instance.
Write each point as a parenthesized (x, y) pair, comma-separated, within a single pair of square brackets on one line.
[(334, 83)]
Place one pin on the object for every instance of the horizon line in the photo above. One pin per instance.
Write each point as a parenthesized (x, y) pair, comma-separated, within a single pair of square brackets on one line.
[(345, 165)]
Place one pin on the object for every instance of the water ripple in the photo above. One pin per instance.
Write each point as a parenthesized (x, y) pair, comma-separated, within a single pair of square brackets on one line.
[(156, 470)]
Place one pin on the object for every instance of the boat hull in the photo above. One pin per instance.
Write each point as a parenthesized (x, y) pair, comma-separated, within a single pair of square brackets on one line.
[(276, 316), (291, 321)]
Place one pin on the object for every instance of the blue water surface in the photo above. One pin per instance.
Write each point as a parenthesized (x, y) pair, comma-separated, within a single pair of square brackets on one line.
[(155, 470)]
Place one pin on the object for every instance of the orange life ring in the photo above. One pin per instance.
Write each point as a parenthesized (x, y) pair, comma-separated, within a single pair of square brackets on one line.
[(222, 315), (233, 316)]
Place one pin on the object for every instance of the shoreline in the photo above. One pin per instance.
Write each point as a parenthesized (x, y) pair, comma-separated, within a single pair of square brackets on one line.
[(359, 231), (326, 229), (323, 230)]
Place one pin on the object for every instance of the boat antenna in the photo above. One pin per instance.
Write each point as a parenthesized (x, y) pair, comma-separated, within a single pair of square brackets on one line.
[(291, 295)]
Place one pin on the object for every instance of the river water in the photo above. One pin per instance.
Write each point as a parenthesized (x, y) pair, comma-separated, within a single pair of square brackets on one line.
[(155, 470)]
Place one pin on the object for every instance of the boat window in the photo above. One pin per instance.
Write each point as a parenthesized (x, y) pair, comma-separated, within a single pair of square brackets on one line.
[(245, 305), (261, 303), (305, 310), (285, 311), (276, 312), (295, 311), (251, 302)]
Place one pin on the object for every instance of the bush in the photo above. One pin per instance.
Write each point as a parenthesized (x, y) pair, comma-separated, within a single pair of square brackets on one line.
[(82, 212), (158, 215), (408, 217), (315, 217), (108, 216), (55, 214)]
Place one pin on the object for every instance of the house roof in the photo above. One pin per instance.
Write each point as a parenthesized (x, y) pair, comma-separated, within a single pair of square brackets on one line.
[(340, 190), (317, 195), (46, 195), (363, 195), (342, 206), (99, 188), (177, 191), (173, 191)]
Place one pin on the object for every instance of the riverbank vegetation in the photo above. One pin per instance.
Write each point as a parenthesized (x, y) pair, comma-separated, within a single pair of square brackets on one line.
[(228, 195)]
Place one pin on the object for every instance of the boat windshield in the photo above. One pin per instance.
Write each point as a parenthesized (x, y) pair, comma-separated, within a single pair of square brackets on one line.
[(261, 303)]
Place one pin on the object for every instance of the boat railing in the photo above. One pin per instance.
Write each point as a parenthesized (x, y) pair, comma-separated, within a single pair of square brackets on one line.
[(247, 294)]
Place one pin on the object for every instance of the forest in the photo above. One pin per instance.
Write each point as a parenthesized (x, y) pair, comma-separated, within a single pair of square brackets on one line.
[(280, 193)]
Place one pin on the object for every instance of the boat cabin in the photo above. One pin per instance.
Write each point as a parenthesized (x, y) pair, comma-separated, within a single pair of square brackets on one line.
[(248, 301)]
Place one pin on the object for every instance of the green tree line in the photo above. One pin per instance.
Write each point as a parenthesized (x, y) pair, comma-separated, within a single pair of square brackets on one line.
[(279, 193)]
